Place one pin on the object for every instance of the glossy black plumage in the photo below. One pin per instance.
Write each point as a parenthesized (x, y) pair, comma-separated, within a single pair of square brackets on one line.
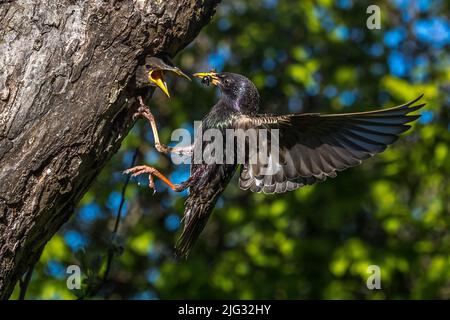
[(312, 147), (209, 183)]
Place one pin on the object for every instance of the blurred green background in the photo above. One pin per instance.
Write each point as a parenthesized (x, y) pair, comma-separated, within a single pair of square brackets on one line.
[(316, 242)]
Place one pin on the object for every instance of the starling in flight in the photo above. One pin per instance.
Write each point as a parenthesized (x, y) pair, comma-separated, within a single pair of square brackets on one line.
[(152, 72), (311, 146)]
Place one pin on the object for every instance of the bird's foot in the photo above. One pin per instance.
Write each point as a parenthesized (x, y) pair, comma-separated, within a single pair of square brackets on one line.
[(143, 111), (162, 148), (138, 170)]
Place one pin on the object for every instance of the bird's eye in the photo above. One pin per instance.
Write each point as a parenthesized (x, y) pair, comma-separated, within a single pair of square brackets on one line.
[(227, 81), (148, 67), (207, 80)]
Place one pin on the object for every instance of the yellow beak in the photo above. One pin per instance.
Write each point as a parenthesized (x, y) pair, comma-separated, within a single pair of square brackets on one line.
[(180, 73), (157, 77), (208, 77)]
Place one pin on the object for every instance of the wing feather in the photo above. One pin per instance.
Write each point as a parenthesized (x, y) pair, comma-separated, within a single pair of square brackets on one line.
[(313, 147)]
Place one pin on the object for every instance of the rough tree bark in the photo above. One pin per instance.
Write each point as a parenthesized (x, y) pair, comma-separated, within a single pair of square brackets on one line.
[(66, 100)]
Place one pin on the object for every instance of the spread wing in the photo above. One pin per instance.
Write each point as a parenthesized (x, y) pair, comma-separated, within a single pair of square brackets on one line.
[(313, 147)]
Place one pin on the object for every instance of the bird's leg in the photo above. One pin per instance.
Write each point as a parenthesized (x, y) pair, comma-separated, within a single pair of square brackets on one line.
[(178, 187), (145, 112), (138, 170)]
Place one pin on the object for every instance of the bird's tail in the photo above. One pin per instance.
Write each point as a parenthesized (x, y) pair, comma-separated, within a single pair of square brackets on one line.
[(195, 217)]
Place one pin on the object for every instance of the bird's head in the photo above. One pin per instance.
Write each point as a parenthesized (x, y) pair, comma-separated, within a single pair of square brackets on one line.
[(153, 73), (235, 88)]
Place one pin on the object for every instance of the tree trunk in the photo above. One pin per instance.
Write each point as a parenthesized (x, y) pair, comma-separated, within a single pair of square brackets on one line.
[(66, 101)]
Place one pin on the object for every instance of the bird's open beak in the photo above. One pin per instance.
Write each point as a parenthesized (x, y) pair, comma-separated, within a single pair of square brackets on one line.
[(157, 77), (208, 77)]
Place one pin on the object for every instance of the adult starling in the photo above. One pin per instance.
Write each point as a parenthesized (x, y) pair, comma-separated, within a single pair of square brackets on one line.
[(311, 146), (152, 72)]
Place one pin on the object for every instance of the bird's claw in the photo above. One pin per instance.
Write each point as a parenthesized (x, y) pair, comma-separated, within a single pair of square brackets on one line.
[(138, 170), (143, 111), (136, 115), (142, 105), (151, 183)]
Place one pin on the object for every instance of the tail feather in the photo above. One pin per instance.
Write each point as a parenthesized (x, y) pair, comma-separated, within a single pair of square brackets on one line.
[(200, 203), (194, 225), (195, 217)]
